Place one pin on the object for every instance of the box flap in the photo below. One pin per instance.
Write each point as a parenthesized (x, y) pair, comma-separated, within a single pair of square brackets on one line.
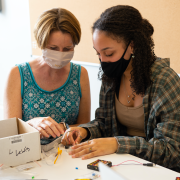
[(24, 127), (8, 127)]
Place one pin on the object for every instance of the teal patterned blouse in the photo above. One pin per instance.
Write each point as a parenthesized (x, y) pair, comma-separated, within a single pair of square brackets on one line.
[(61, 104)]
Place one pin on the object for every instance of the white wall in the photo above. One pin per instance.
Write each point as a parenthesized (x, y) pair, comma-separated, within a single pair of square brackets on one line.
[(15, 38), (15, 47), (95, 84)]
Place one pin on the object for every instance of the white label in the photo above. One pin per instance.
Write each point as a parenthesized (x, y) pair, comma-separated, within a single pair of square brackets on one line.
[(16, 139), (24, 167)]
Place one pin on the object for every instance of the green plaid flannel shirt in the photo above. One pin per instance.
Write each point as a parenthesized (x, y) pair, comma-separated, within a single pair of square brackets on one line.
[(161, 104)]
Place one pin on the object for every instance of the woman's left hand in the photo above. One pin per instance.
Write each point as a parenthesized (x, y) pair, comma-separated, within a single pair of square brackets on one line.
[(94, 147)]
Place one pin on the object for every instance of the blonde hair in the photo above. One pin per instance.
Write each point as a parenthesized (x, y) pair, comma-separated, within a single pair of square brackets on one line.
[(56, 19)]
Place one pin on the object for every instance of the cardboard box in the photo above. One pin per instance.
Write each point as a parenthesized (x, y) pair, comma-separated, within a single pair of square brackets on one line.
[(19, 142)]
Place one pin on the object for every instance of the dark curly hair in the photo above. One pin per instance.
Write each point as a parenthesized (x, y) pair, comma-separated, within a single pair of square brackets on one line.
[(126, 23)]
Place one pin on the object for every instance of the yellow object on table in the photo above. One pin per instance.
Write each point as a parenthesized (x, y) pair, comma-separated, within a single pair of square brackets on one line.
[(58, 153)]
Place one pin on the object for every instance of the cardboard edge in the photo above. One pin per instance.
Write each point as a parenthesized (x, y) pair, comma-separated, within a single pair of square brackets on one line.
[(24, 127)]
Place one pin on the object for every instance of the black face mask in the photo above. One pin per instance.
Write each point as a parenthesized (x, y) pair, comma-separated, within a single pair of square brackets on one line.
[(115, 69)]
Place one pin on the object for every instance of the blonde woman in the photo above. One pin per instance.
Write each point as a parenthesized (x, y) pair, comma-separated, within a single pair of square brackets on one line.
[(50, 91)]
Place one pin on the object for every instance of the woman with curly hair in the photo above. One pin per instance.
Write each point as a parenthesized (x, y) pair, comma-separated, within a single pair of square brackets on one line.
[(139, 109)]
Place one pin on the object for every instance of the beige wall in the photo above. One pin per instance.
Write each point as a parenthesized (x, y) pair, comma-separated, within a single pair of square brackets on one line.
[(164, 15)]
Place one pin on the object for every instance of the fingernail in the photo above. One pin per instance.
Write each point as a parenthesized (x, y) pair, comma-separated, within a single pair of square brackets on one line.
[(73, 156), (83, 158), (70, 153)]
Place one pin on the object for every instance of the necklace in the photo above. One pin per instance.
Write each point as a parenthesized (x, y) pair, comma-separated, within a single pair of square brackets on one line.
[(127, 96)]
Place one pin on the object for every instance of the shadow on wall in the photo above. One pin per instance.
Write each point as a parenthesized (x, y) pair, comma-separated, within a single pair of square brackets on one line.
[(2, 7)]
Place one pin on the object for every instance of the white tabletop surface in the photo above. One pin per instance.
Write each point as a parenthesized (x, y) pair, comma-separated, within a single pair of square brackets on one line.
[(65, 169)]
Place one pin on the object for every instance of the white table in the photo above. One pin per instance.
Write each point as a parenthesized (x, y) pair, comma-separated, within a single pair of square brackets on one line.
[(65, 169)]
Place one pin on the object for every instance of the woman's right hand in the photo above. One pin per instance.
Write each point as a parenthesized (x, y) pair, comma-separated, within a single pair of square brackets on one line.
[(46, 126), (74, 135)]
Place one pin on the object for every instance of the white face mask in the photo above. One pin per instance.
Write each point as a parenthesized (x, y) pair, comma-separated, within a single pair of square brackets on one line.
[(57, 59)]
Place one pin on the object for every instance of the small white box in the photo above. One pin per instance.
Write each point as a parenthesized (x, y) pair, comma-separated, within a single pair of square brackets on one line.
[(19, 142), (50, 146)]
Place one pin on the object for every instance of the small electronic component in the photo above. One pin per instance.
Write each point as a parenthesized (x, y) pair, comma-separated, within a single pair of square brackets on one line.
[(94, 165), (177, 178)]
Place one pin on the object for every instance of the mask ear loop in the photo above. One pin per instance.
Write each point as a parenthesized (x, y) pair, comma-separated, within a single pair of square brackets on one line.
[(126, 50)]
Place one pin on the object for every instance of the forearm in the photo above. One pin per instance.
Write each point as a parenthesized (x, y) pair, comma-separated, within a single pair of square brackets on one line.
[(158, 151), (96, 129)]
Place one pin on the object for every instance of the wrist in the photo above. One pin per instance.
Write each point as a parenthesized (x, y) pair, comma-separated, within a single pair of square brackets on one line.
[(85, 133), (117, 144), (65, 126)]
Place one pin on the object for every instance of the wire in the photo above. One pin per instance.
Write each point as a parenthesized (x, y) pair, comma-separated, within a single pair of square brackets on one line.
[(144, 164), (127, 161), (37, 163)]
